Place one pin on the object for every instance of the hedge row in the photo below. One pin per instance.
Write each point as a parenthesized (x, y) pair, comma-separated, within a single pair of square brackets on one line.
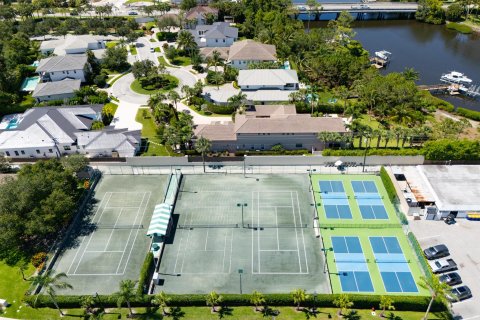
[(470, 114), (402, 303), (271, 153), (146, 273), (372, 152), (392, 193), (419, 252)]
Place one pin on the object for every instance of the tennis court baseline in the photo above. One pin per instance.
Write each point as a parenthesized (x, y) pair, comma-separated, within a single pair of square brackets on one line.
[(335, 200), (364, 187), (393, 267), (351, 264)]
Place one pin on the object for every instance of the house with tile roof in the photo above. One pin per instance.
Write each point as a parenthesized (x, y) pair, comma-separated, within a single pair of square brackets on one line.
[(199, 14), (242, 53), (263, 126), (58, 68), (56, 131), (219, 34), (58, 90)]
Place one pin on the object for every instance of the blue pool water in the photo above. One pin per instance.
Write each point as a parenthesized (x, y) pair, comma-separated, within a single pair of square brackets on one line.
[(12, 124), (30, 83)]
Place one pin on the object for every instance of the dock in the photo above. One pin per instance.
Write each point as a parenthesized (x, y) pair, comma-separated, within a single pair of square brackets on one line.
[(471, 91), (378, 62), (436, 88)]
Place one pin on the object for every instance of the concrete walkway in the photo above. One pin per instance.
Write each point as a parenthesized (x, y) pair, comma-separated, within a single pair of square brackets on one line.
[(125, 116), (201, 119)]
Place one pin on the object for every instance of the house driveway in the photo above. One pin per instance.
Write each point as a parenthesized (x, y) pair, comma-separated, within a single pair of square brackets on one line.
[(125, 116), (201, 119)]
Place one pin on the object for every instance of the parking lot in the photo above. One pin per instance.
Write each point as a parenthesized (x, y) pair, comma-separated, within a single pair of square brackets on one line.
[(462, 242)]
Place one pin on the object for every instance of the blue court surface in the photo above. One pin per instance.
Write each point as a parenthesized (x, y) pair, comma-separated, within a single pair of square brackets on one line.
[(364, 187), (351, 265), (369, 200), (335, 200), (393, 266)]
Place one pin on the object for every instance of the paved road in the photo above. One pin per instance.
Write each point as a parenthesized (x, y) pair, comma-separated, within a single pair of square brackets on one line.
[(121, 90)]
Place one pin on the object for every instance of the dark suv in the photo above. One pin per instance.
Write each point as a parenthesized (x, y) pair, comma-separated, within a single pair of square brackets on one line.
[(459, 294), (451, 279), (435, 252)]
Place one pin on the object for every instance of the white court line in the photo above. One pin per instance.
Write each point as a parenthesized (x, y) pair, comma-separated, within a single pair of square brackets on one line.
[(224, 252), (253, 236), (206, 239), (275, 206), (94, 274), (296, 233), (258, 233), (109, 251), (186, 245), (231, 251), (303, 234), (276, 222), (279, 273), (283, 250), (113, 230), (136, 234), (89, 239)]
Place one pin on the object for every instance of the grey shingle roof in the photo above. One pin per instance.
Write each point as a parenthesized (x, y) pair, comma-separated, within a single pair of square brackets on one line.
[(57, 87), (62, 63), (218, 30)]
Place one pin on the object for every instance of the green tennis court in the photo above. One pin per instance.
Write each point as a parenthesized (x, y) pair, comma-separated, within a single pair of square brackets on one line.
[(241, 234), (110, 243)]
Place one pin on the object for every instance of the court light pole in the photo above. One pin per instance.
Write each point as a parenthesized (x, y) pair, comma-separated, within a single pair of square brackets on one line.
[(365, 154), (244, 165), (242, 205), (314, 309), (325, 251)]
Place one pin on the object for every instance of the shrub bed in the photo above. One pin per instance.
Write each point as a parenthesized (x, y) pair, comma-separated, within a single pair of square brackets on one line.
[(387, 182), (402, 303), (373, 152), (271, 153), (470, 114), (215, 108)]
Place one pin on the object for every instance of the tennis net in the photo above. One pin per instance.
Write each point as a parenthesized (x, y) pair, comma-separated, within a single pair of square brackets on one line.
[(363, 260), (206, 226), (275, 226), (368, 196), (119, 226), (329, 196), (392, 261)]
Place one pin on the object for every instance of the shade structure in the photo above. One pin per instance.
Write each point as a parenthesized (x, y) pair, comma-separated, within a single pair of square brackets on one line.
[(338, 163), (160, 220)]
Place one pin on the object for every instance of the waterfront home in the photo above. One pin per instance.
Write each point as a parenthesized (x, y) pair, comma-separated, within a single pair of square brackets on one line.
[(199, 14), (219, 34), (242, 53), (50, 132), (58, 90), (263, 126), (57, 68)]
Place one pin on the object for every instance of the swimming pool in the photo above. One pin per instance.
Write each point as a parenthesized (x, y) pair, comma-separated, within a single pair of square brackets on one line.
[(29, 83)]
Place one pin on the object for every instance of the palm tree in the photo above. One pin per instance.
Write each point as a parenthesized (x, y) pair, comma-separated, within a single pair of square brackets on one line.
[(238, 101), (438, 290), (203, 145), (299, 296), (87, 303), (126, 293), (312, 5), (257, 299), (386, 303), (387, 135), (173, 96), (186, 41), (398, 132), (155, 100), (50, 282), (213, 300), (411, 74), (162, 301), (22, 268), (324, 136), (217, 78), (215, 59), (343, 303)]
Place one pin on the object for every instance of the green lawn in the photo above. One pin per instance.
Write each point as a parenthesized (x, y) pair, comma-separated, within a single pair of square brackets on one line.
[(111, 44), (236, 313), (149, 131), (134, 1), (136, 86), (162, 60), (152, 39), (182, 61), (133, 50)]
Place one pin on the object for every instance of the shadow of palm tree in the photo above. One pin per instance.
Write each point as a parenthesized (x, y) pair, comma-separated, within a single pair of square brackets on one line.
[(225, 311), (353, 315), (392, 316), (269, 312), (176, 313), (309, 313)]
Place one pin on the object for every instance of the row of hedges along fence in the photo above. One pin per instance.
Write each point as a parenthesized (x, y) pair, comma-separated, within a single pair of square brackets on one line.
[(402, 303), (392, 194)]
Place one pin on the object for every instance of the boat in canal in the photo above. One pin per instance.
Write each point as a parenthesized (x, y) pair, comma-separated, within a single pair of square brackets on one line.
[(383, 54), (456, 77)]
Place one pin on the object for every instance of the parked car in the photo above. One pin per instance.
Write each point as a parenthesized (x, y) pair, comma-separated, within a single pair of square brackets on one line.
[(459, 293), (152, 50), (132, 13), (443, 265), (452, 279), (435, 252)]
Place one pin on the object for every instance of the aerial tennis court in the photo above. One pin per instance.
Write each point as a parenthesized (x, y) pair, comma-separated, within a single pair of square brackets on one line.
[(377, 261), (111, 241), (352, 199), (254, 232)]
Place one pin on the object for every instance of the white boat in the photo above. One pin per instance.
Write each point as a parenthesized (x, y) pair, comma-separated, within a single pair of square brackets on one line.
[(384, 54), (455, 77)]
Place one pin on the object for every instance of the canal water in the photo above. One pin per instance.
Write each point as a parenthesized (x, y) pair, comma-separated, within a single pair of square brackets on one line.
[(429, 49)]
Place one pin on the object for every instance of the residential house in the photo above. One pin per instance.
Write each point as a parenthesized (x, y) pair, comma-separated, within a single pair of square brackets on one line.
[(55, 131), (57, 68), (268, 79), (199, 14), (73, 44), (59, 90), (245, 52), (219, 34), (263, 126)]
